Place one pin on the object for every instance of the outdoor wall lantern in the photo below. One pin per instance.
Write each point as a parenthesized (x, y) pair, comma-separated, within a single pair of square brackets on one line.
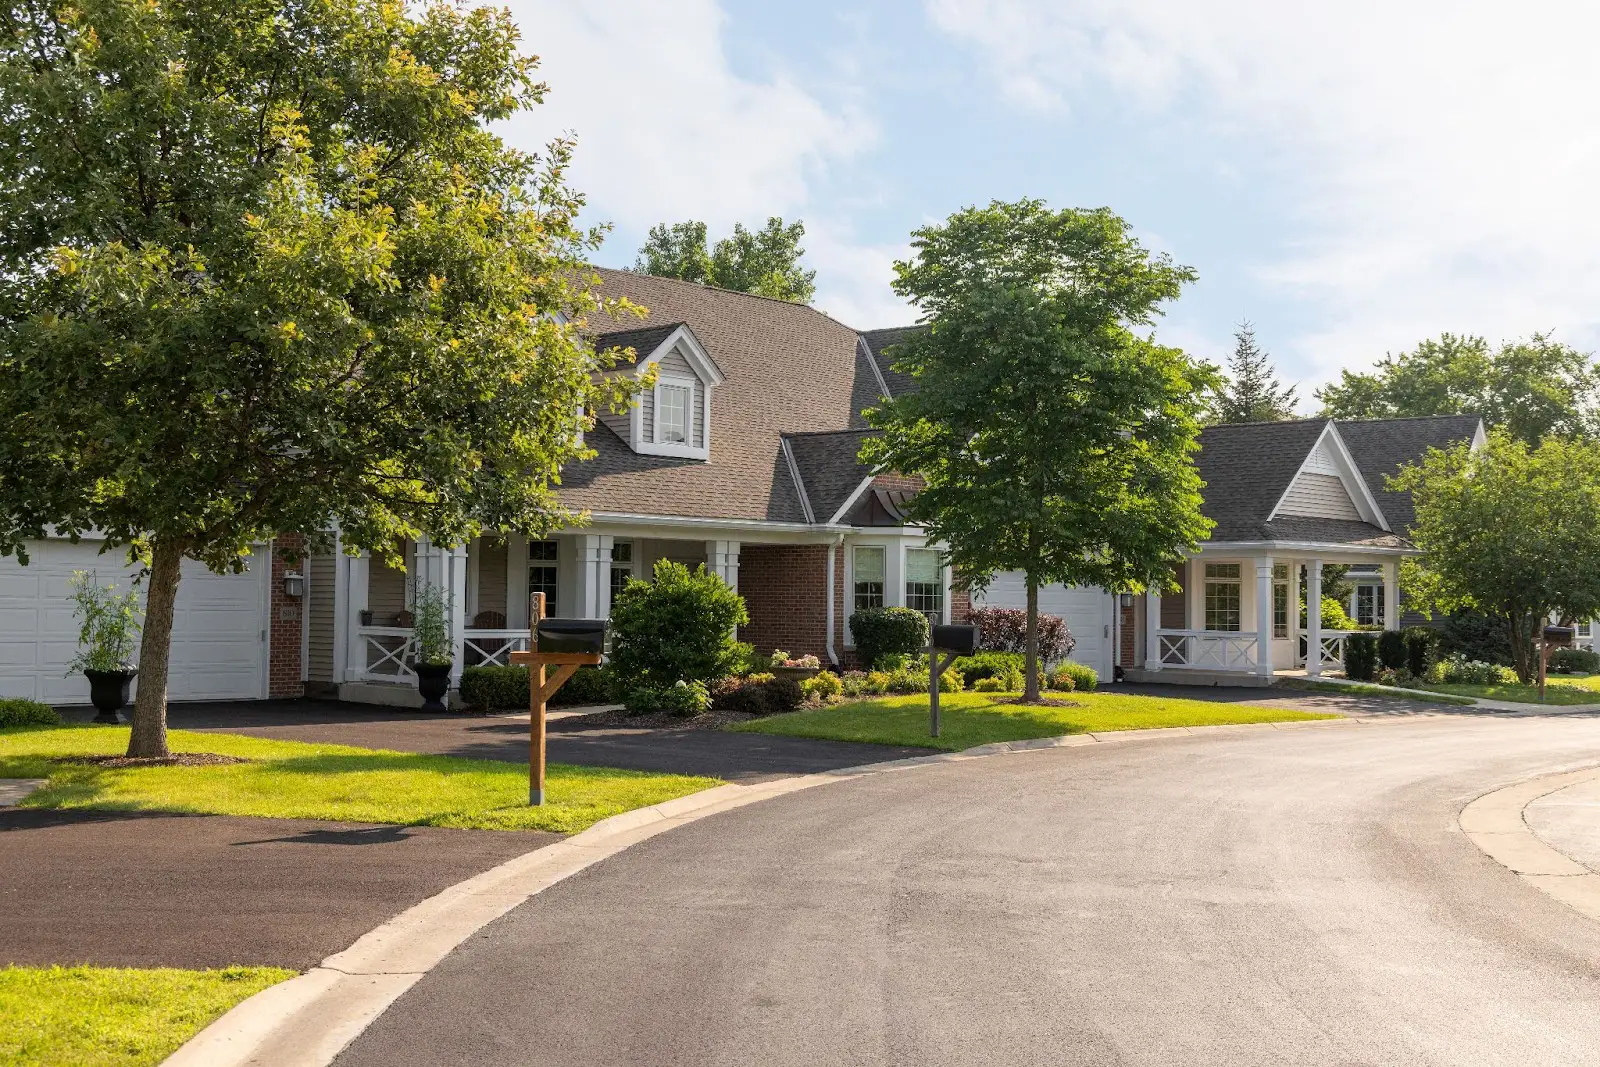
[(294, 585), (1125, 599)]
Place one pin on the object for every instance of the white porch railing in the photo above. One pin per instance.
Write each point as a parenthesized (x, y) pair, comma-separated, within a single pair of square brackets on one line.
[(1332, 646), (391, 650), (1213, 650)]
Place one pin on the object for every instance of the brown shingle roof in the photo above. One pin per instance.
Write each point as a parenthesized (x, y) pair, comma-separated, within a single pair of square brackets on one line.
[(878, 343), (829, 467), (789, 368)]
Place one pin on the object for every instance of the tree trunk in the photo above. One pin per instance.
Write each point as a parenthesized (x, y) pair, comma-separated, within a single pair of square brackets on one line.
[(1524, 657), (1030, 655), (149, 736)]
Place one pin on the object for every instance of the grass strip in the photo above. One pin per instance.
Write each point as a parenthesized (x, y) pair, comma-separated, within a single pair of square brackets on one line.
[(296, 780), (1358, 689), (969, 719), (114, 1016)]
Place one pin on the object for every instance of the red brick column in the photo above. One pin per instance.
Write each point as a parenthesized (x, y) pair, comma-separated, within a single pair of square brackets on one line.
[(785, 590), (283, 662), (1130, 632)]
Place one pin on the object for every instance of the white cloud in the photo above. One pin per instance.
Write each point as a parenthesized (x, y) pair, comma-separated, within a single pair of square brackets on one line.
[(1442, 157), (666, 129), (853, 279)]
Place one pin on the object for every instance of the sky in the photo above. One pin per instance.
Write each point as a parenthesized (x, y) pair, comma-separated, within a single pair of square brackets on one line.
[(1351, 178)]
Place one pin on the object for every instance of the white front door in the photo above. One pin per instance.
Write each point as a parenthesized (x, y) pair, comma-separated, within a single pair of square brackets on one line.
[(219, 647)]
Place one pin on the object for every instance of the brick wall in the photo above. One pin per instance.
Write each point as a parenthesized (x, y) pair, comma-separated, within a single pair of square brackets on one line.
[(909, 483), (1129, 634), (785, 590), (283, 663), (960, 600)]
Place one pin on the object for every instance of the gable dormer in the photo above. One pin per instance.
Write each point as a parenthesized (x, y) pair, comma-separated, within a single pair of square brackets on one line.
[(673, 417), (1328, 485)]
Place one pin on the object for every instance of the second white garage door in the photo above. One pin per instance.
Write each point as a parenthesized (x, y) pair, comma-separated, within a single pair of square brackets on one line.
[(219, 645), (1086, 611)]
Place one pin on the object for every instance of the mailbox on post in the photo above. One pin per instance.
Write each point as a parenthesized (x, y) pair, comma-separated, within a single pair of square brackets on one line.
[(952, 640), (566, 645), (1552, 637)]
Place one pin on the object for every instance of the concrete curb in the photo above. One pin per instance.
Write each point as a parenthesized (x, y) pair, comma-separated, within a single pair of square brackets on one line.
[(1495, 823), (308, 1020)]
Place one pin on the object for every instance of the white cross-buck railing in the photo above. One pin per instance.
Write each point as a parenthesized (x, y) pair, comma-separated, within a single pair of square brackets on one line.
[(390, 651), (1213, 650), (493, 648)]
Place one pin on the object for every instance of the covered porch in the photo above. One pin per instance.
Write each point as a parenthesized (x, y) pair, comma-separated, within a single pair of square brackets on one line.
[(1242, 617)]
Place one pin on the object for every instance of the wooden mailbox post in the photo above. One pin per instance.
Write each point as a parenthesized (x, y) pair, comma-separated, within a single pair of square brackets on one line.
[(541, 689)]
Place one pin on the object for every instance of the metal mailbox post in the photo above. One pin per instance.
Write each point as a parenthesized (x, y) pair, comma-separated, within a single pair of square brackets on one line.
[(566, 645), (956, 640)]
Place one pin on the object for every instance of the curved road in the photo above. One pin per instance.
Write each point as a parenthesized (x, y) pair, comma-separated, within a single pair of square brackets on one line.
[(1264, 897)]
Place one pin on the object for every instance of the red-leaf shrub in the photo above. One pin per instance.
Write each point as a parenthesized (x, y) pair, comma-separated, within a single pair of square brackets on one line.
[(1006, 630)]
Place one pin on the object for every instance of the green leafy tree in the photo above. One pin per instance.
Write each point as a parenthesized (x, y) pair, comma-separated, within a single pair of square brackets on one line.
[(1252, 392), (266, 268), (678, 627), (1529, 388), (1053, 437), (1508, 530), (765, 262)]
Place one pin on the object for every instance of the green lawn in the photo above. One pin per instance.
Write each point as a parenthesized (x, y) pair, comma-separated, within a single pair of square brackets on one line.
[(293, 780), (114, 1017), (969, 719), (1359, 690), (1569, 690)]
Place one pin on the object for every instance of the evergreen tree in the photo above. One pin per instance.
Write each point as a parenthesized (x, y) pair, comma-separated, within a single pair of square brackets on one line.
[(1252, 392)]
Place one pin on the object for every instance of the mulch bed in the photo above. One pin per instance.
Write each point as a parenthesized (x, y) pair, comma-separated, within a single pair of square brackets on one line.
[(1054, 702), (177, 759)]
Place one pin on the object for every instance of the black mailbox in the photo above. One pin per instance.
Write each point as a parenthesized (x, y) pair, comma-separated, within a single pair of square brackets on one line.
[(1560, 636), (962, 639), (571, 635)]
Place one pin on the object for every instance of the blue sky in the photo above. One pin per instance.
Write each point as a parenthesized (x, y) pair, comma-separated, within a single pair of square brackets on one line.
[(1351, 180)]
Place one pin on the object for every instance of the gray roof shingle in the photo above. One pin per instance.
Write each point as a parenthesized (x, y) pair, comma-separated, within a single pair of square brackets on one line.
[(788, 369), (1381, 446), (829, 467), (644, 340), (878, 343)]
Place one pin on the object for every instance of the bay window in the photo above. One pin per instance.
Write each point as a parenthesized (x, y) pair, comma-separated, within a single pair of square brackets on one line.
[(925, 582), (867, 569)]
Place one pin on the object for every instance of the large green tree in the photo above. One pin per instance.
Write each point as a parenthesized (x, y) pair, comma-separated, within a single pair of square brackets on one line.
[(765, 262), (1529, 388), (1053, 436), (266, 268), (1511, 530), (1252, 392)]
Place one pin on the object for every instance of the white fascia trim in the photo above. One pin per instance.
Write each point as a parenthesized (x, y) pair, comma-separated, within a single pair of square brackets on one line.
[(1323, 547), (1349, 474), (673, 448), (850, 501), (799, 485), (1480, 437), (866, 354), (698, 358), (689, 522)]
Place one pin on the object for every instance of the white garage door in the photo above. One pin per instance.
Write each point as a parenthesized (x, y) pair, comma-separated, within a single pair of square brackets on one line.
[(1086, 611), (218, 640)]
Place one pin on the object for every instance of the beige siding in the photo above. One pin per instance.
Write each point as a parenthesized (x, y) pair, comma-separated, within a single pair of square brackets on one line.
[(1175, 606), (491, 575), (618, 423), (673, 365), (1320, 495), (321, 572), (386, 591)]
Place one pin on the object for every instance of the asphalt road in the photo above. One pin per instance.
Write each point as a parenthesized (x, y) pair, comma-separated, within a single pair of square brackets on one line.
[(1267, 897)]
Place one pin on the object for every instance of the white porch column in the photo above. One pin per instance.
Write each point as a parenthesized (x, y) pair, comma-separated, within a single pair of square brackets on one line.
[(594, 575), (356, 572), (1152, 628), (1313, 617), (1264, 616), (453, 567), (722, 559), (1391, 595)]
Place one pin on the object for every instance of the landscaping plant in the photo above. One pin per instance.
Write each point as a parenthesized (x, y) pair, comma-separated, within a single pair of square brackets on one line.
[(1084, 678), (1574, 661), (107, 623), (1052, 432), (271, 267), (1456, 670), (20, 711), (489, 688), (430, 627), (683, 698), (881, 633), (1392, 653), (1422, 650), (1006, 630), (676, 628), (823, 688), (1360, 657)]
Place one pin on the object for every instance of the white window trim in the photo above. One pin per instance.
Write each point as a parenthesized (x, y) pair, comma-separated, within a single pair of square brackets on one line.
[(669, 381), (850, 583), (706, 374)]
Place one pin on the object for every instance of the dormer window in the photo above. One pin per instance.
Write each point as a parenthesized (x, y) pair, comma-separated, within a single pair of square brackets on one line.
[(674, 404), (674, 418)]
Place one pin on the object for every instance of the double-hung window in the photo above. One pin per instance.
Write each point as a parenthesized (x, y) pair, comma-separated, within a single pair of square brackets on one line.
[(1280, 601), (621, 566), (924, 582), (867, 568), (673, 403), (1222, 591), (542, 557)]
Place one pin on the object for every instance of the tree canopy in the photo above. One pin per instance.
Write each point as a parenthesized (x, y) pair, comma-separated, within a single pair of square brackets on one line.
[(765, 262), (266, 268), (1529, 388), (1053, 437), (1511, 530), (1251, 392)]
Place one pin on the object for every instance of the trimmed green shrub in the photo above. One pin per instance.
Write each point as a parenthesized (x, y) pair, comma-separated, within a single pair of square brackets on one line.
[(1392, 650), (823, 687), (760, 694), (491, 688), (990, 684), (20, 711), (1458, 670), (989, 665), (1472, 636), (1422, 650), (1360, 657), (678, 627), (1061, 681), (1574, 661), (884, 632), (1084, 678), (684, 698)]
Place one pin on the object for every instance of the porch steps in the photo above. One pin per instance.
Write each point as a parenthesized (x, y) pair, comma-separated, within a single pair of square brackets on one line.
[(1185, 676)]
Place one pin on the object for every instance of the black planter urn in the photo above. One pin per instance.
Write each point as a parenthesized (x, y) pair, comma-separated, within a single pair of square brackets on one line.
[(108, 692), (433, 682)]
